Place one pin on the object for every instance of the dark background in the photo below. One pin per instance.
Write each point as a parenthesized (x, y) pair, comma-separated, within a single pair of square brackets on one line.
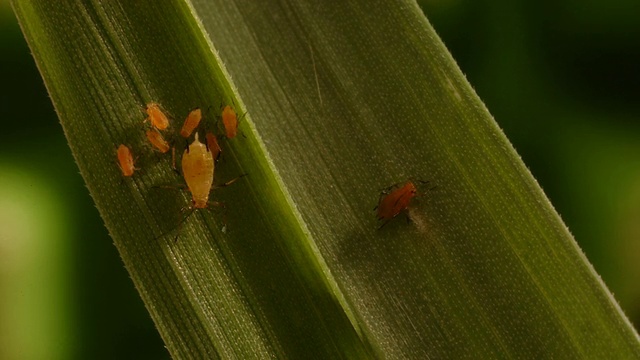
[(561, 78)]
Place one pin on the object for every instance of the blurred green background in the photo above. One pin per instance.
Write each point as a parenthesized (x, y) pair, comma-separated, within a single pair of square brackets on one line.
[(562, 79)]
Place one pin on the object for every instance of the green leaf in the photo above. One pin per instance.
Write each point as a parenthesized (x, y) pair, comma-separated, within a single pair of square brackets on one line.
[(342, 101)]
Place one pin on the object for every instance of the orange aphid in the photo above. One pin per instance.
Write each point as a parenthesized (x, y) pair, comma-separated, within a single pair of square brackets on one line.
[(394, 202), (156, 139), (191, 122), (214, 147), (158, 119), (125, 160), (197, 169), (230, 121)]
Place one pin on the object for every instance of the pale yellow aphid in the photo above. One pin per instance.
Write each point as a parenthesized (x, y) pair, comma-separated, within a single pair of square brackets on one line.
[(191, 122), (197, 169), (157, 118)]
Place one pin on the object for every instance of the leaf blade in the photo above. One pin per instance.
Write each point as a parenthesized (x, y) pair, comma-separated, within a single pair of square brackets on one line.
[(102, 63), (488, 225)]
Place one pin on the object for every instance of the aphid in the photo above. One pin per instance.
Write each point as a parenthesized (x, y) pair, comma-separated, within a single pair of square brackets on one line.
[(156, 139), (197, 169), (158, 119), (230, 121), (214, 147), (191, 122), (125, 160), (393, 202)]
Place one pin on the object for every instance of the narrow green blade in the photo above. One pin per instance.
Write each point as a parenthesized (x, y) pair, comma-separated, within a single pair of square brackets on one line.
[(343, 100), (227, 287)]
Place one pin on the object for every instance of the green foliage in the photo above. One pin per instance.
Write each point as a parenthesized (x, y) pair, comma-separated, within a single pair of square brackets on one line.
[(342, 102)]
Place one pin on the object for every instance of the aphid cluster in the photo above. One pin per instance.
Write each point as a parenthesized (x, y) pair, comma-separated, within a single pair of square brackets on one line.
[(159, 123), (198, 159)]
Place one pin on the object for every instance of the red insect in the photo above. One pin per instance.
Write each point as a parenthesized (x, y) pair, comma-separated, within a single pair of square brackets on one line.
[(394, 200), (125, 160)]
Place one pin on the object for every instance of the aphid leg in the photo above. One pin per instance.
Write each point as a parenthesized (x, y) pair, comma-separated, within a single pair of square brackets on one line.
[(409, 221), (190, 210), (180, 222), (240, 118), (171, 187), (173, 158), (229, 182), (388, 189), (384, 192), (224, 212), (179, 226), (384, 223)]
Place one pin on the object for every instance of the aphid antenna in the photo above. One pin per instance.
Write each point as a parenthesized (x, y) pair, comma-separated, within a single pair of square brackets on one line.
[(240, 119), (242, 116), (234, 106), (233, 102), (392, 186), (164, 110), (421, 194), (417, 180)]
